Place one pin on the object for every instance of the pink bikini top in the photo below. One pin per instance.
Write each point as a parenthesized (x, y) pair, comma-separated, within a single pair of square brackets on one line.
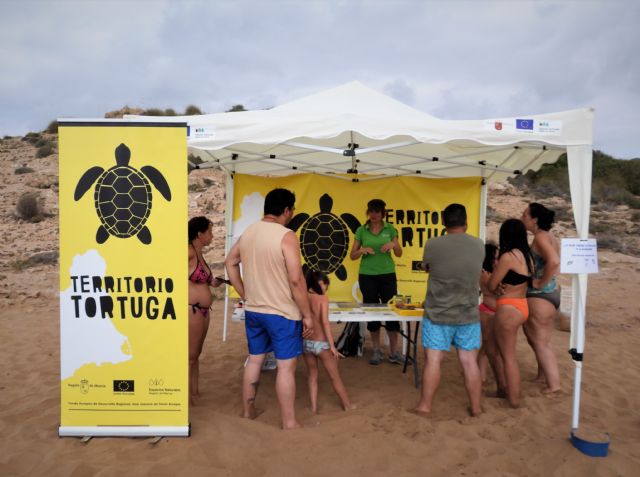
[(202, 273)]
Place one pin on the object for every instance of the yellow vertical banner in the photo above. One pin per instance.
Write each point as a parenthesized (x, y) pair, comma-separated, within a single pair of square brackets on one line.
[(329, 210), (123, 286)]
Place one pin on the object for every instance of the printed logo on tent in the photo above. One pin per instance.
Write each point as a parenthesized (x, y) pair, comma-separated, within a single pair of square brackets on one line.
[(524, 124), (324, 238), (123, 197)]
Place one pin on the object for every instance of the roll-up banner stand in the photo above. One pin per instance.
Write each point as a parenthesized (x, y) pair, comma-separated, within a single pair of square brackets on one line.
[(123, 287)]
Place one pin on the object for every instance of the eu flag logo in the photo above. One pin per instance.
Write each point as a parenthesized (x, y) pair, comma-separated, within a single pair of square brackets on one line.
[(526, 124), (123, 386)]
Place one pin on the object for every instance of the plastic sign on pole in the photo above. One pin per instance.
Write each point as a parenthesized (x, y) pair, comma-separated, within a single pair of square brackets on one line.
[(578, 256)]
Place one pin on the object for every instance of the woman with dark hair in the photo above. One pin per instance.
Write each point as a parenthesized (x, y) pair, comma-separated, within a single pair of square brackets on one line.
[(373, 244), (489, 351), (544, 293), (200, 279), (514, 268)]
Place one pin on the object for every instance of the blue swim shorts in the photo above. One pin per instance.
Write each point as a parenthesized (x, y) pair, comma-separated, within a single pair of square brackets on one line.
[(441, 337), (267, 332)]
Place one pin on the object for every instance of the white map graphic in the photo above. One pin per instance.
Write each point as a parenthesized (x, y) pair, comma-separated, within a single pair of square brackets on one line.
[(87, 340), (251, 210)]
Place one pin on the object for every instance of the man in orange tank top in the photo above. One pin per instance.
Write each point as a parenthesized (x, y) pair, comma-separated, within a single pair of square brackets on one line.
[(277, 313)]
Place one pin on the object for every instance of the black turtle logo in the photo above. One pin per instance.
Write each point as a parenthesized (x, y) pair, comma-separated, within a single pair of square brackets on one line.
[(324, 238), (123, 197)]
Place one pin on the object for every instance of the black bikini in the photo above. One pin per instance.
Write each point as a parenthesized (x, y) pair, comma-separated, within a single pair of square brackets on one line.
[(515, 278)]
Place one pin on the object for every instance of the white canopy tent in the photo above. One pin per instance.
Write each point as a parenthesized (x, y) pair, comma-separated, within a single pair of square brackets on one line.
[(353, 130)]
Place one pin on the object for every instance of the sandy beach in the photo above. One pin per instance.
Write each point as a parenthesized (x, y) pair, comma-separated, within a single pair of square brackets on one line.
[(379, 438)]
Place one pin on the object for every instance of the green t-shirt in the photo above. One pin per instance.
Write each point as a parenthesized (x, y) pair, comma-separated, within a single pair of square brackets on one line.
[(379, 263)]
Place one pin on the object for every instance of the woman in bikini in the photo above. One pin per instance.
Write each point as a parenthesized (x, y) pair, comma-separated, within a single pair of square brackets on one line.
[(200, 279), (543, 295), (489, 351), (514, 270)]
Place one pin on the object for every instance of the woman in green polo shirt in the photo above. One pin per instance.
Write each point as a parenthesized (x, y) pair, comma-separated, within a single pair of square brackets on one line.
[(373, 244)]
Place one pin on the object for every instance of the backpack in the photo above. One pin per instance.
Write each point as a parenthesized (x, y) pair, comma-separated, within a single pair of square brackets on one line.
[(350, 342)]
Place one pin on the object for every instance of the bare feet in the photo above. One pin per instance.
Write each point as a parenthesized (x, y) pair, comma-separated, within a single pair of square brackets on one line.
[(252, 414), (297, 425), (473, 413), (499, 393), (289, 427), (420, 412), (552, 392), (539, 379), (349, 407)]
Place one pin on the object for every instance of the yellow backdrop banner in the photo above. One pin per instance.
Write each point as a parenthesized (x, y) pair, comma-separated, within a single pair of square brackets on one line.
[(327, 207), (123, 287)]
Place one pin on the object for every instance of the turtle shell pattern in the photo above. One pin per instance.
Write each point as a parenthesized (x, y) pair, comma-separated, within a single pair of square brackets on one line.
[(123, 200), (324, 240)]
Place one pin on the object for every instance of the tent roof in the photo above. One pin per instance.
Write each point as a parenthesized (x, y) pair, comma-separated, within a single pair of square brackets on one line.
[(354, 128)]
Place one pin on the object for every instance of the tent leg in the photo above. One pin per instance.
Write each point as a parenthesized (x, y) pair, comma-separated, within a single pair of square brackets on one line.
[(483, 209), (575, 416), (228, 223), (226, 313)]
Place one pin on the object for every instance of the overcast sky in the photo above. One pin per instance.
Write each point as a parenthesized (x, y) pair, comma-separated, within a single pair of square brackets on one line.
[(452, 59)]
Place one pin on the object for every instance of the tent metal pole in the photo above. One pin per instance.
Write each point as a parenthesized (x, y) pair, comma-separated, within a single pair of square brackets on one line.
[(577, 380), (509, 156), (580, 164), (228, 222), (483, 209), (453, 160)]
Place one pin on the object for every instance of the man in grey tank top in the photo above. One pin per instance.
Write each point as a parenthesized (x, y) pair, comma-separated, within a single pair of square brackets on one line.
[(277, 313)]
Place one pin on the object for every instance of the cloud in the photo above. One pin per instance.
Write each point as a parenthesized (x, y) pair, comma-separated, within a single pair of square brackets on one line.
[(454, 60)]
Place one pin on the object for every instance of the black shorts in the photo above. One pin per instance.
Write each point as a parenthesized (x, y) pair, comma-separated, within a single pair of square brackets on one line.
[(379, 289)]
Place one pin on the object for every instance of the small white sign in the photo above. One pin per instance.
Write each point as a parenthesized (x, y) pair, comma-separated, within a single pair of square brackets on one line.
[(548, 127), (579, 256), (202, 132)]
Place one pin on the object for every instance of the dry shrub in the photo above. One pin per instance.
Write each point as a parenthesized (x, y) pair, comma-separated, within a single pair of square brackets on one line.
[(23, 170), (153, 112), (611, 242), (29, 207), (52, 128), (40, 258), (44, 151), (192, 110), (31, 137)]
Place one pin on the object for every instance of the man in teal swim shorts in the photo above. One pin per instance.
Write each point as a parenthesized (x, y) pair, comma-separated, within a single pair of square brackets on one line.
[(454, 263)]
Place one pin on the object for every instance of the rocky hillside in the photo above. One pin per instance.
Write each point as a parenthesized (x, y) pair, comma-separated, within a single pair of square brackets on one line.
[(29, 216)]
